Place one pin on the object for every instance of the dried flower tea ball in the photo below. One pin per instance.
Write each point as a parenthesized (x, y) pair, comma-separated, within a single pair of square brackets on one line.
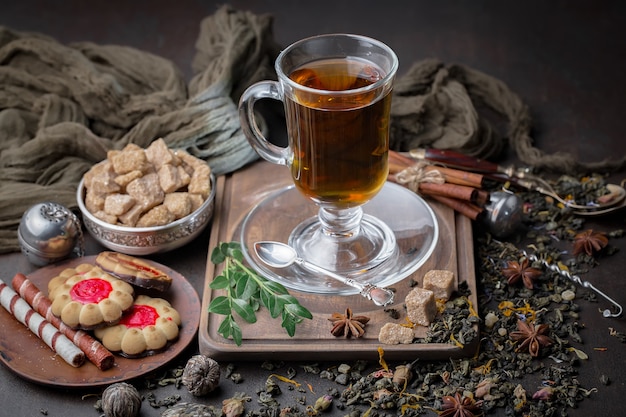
[(201, 375), (121, 400)]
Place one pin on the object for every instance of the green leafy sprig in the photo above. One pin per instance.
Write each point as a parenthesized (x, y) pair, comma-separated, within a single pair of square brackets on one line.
[(246, 291)]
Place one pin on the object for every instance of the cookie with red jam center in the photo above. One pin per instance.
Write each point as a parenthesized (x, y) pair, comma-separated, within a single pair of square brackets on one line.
[(145, 329), (86, 297)]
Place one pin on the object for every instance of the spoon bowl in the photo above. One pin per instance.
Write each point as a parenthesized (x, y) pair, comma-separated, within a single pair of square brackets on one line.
[(281, 255)]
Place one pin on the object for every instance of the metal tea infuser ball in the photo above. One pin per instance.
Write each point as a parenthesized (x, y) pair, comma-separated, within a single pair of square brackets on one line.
[(49, 232), (504, 213)]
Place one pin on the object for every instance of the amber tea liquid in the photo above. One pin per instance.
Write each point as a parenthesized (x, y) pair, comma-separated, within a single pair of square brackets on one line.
[(340, 141)]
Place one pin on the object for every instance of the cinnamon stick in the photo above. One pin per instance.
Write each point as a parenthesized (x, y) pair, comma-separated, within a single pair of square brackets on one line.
[(49, 334), (460, 192), (456, 176), (94, 350), (465, 208), (399, 162)]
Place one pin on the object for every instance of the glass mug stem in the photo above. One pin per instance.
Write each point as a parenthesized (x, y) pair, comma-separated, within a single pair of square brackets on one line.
[(336, 90)]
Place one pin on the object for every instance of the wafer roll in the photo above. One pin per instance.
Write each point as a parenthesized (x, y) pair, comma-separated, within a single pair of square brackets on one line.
[(52, 337), (96, 353)]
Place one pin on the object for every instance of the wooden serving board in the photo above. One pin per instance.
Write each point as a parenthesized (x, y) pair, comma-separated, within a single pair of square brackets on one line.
[(237, 194)]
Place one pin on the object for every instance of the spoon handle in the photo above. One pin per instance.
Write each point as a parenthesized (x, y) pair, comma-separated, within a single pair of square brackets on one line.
[(380, 296)]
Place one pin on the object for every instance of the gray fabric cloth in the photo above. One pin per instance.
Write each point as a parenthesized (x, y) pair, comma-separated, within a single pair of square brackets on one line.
[(62, 107)]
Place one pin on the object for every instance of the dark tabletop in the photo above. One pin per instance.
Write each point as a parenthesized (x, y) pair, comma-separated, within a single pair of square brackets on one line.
[(566, 59)]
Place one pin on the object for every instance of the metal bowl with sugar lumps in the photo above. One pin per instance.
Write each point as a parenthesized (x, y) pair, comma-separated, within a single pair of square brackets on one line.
[(147, 240)]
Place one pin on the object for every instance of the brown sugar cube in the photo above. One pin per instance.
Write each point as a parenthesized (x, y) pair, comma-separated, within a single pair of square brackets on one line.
[(94, 201), (196, 201), (157, 216), (394, 334), (105, 217), (200, 181), (104, 184), (190, 160), (146, 191), (168, 178), (131, 158), (178, 204), (440, 282), (111, 154), (125, 179), (183, 176), (117, 204), (131, 217), (421, 306), (159, 154), (98, 170)]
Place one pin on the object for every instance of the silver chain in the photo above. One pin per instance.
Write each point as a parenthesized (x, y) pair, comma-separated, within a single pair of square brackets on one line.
[(575, 278)]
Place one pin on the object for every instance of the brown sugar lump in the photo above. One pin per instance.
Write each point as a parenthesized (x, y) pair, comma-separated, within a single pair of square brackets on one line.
[(105, 217), (183, 176), (117, 204), (179, 204), (147, 328), (156, 216), (441, 282), (200, 180), (395, 334), (158, 154), (196, 201), (103, 170), (169, 178), (131, 217), (131, 158), (90, 298), (146, 191), (125, 179), (421, 306), (146, 176)]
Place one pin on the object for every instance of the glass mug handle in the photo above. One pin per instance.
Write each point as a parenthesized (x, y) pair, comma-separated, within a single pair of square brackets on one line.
[(267, 150)]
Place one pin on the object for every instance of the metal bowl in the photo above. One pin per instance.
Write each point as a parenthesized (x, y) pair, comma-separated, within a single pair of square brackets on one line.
[(147, 240)]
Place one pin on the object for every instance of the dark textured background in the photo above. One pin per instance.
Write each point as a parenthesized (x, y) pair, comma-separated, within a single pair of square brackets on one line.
[(566, 59)]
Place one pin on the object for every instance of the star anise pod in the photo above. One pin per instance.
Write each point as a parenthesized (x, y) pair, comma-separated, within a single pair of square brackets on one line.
[(533, 337), (348, 325), (589, 242), (514, 271), (460, 407)]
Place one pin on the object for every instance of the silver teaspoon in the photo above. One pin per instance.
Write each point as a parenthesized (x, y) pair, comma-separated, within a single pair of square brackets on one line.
[(281, 255)]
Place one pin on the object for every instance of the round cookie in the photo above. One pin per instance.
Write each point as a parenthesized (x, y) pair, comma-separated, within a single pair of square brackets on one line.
[(149, 325), (86, 297)]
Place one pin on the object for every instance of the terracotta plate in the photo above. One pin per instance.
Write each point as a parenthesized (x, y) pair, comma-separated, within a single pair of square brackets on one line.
[(28, 356)]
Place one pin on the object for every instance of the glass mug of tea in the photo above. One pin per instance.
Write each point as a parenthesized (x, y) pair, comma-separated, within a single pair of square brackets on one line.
[(336, 91)]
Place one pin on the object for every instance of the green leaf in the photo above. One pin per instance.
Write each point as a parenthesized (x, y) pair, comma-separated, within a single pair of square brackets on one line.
[(246, 288), (237, 254), (276, 288), (220, 305), (245, 291), (219, 282), (271, 303), (217, 256), (230, 328), (298, 310), (289, 323), (244, 309)]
